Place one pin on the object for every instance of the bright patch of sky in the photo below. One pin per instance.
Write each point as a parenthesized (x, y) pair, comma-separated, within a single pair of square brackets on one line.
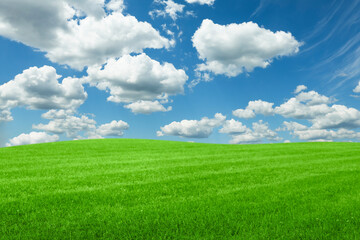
[(189, 70)]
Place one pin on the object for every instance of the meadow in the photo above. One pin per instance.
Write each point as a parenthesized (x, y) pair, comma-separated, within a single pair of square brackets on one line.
[(147, 189)]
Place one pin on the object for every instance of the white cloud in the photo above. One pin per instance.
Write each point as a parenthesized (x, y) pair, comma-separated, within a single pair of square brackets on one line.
[(147, 107), (314, 134), (261, 107), (116, 5), (58, 114), (115, 128), (339, 116), (171, 9), (294, 126), (32, 138), (135, 78), (300, 88), (66, 121), (260, 131), (328, 121), (38, 88), (244, 113), (295, 109), (94, 8), (200, 77), (233, 127), (202, 2), (253, 108), (94, 41), (71, 125), (54, 27), (35, 22), (357, 89), (313, 98), (315, 108), (193, 128), (235, 48), (5, 116), (305, 105)]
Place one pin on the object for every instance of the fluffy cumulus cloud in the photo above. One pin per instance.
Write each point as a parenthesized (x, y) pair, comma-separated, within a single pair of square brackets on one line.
[(320, 111), (295, 109), (94, 41), (77, 126), (193, 128), (32, 138), (147, 107), (317, 109), (314, 134), (241, 134), (202, 2), (77, 33), (253, 108), (339, 116), (233, 127), (261, 107), (305, 105), (244, 113), (235, 48), (71, 125), (328, 121), (39, 88), (171, 9), (357, 88), (131, 79), (115, 128)]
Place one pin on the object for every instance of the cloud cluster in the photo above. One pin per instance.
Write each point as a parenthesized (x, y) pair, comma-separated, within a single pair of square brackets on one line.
[(204, 128), (241, 134), (314, 134), (305, 105), (39, 88), (69, 124), (138, 80), (77, 33), (171, 9), (75, 127), (235, 48), (32, 138), (328, 121), (193, 128)]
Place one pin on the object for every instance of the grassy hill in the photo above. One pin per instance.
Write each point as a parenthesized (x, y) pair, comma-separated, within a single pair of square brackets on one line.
[(145, 189)]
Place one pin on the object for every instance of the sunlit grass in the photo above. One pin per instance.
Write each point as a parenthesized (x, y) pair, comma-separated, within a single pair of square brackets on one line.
[(144, 189)]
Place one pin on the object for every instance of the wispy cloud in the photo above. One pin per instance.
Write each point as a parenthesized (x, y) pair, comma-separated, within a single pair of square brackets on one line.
[(262, 5), (338, 34), (344, 19)]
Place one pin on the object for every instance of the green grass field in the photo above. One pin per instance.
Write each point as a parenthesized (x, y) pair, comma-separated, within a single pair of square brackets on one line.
[(146, 189)]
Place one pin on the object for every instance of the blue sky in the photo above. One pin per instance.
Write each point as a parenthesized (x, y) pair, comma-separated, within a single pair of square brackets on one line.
[(186, 70)]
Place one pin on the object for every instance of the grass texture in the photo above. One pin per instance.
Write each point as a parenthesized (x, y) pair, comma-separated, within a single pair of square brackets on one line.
[(146, 189)]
